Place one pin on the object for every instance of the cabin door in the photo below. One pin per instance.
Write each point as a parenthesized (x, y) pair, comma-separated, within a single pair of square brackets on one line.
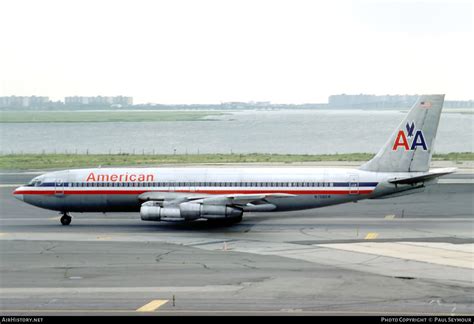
[(353, 184), (59, 187)]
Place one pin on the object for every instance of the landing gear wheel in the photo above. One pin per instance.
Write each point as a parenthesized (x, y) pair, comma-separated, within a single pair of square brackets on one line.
[(66, 219)]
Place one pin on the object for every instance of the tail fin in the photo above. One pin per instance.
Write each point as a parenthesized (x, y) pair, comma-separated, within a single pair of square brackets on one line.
[(410, 147)]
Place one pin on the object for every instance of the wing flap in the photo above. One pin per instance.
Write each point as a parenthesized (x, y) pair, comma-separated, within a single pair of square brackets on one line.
[(243, 199)]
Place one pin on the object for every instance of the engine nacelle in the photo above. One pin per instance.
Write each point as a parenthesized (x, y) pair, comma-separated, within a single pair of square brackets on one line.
[(152, 211), (194, 211)]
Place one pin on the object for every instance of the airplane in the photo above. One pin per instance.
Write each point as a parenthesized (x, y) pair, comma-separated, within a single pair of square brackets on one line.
[(402, 166)]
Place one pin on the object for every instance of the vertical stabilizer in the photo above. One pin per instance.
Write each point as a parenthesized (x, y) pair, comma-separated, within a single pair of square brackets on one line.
[(411, 145)]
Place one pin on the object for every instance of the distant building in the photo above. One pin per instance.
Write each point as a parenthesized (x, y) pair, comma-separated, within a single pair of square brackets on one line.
[(385, 101), (24, 102), (459, 104), (99, 101), (371, 101)]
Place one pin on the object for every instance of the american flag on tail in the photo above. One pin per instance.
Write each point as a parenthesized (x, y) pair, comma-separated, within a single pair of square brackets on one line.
[(425, 104)]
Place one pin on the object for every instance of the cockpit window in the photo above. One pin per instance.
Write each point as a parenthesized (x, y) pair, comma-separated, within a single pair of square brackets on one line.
[(35, 183)]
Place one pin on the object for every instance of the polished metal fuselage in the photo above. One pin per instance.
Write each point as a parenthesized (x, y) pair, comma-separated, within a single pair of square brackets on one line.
[(120, 189)]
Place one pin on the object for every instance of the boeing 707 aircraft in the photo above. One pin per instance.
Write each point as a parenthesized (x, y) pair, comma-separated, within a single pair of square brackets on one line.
[(225, 194)]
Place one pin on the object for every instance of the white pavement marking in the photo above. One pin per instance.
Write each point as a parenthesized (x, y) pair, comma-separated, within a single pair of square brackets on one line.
[(455, 255)]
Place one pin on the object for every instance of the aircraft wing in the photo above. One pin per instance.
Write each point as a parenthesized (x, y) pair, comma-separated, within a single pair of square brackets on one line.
[(432, 174), (238, 200)]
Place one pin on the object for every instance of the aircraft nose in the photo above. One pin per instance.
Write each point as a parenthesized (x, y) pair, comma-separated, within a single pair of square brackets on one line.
[(17, 194)]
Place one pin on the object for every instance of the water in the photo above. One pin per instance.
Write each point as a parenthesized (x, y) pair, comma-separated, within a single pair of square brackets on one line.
[(279, 131)]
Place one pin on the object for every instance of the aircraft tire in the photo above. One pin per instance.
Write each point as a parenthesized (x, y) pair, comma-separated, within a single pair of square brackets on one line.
[(66, 220)]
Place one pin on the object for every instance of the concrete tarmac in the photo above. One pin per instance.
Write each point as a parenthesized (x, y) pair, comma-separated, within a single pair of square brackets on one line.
[(405, 255)]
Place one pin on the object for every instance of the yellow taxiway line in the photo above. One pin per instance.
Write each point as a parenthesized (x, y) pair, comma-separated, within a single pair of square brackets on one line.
[(152, 306), (371, 236)]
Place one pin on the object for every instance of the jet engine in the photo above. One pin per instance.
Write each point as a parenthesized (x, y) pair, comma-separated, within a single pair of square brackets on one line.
[(153, 211)]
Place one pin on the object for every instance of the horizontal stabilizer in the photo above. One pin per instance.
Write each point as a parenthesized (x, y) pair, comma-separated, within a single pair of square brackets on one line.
[(422, 178)]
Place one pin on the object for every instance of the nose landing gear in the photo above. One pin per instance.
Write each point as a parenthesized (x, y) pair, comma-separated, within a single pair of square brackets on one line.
[(66, 219)]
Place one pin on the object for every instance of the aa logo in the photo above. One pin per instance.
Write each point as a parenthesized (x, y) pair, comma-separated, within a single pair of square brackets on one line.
[(416, 138)]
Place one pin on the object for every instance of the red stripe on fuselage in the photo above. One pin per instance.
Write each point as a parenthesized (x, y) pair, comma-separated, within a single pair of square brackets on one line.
[(210, 192)]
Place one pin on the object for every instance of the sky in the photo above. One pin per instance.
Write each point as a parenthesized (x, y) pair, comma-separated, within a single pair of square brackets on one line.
[(212, 51)]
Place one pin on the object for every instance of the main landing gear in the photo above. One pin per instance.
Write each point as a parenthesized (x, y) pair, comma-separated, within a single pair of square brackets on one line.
[(66, 219)]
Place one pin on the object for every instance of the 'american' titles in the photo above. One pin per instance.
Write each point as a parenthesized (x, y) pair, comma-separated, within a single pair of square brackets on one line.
[(92, 177)]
